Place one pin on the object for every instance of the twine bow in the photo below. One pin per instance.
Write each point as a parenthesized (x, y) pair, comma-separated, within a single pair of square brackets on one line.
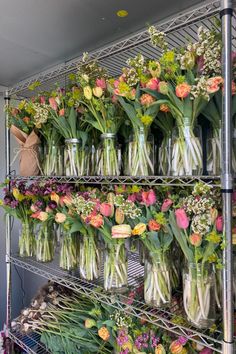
[(17, 151)]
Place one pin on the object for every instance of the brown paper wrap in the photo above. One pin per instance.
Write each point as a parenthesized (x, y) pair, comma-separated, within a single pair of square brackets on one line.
[(28, 152)]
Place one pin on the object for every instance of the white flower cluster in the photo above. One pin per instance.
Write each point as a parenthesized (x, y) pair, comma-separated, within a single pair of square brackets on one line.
[(198, 206), (131, 76), (41, 114), (83, 206), (201, 223), (129, 209), (136, 62), (200, 88), (157, 38), (121, 319)]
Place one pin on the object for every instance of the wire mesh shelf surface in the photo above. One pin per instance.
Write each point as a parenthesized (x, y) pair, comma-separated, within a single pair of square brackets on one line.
[(171, 319), (30, 343), (128, 180)]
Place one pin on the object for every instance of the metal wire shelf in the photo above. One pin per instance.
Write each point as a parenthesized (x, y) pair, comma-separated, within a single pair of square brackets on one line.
[(113, 57), (190, 181), (29, 343), (171, 319)]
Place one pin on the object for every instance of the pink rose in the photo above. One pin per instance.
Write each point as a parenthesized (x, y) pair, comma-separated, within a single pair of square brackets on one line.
[(182, 219), (153, 84), (96, 221), (182, 90), (166, 205), (219, 223), (60, 218), (62, 112), (53, 103), (149, 198), (101, 83), (146, 99), (107, 209)]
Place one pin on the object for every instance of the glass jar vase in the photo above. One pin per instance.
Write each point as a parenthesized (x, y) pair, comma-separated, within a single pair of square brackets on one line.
[(164, 157), (108, 156), (214, 152), (187, 156), (140, 154), (69, 250), (115, 266), (53, 160), (76, 158), (199, 294), (90, 256), (27, 241), (157, 282), (45, 244)]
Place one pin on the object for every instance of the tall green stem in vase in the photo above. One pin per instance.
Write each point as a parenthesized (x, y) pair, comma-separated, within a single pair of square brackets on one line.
[(27, 241), (90, 255), (108, 156), (45, 244)]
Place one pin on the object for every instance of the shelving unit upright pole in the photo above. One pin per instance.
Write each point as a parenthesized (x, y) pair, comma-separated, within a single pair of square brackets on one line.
[(8, 225), (227, 177)]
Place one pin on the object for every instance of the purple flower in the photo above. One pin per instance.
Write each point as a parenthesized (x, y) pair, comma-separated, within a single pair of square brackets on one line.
[(7, 200), (182, 340), (138, 342), (125, 351), (206, 351), (155, 341), (122, 337), (14, 204), (52, 204)]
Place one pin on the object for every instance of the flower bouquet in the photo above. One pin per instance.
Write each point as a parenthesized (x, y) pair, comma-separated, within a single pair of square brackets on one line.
[(17, 202), (102, 114), (141, 110), (196, 228), (188, 79), (65, 120), (22, 125)]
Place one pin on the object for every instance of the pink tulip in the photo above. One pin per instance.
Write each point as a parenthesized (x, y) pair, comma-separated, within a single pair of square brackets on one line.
[(149, 198), (106, 209), (132, 197), (182, 219), (166, 205), (97, 221), (116, 83), (62, 112), (101, 83), (53, 103), (42, 100), (152, 84), (114, 99), (219, 223)]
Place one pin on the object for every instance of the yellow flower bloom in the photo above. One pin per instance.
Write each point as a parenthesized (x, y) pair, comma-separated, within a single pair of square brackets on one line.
[(212, 258), (135, 189), (139, 229), (213, 237), (104, 333), (88, 92), (17, 195), (98, 92), (160, 349), (146, 119), (55, 197), (22, 104), (127, 345)]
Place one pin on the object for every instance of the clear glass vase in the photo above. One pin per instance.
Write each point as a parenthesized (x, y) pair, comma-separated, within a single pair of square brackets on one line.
[(187, 156), (214, 152), (27, 241), (90, 256), (53, 160), (164, 157), (199, 294), (140, 155), (108, 156), (115, 266), (76, 159), (45, 244), (157, 282), (69, 250)]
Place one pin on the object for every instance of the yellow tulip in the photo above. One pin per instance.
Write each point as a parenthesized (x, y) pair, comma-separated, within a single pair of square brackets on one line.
[(88, 92), (139, 229)]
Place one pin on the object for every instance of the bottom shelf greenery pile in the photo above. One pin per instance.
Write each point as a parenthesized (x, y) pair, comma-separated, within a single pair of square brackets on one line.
[(69, 323)]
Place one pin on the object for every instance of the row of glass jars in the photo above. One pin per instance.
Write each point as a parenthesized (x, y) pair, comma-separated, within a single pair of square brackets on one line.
[(141, 157), (93, 259)]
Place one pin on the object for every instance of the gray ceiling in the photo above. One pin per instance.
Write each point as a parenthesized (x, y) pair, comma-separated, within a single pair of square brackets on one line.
[(37, 34)]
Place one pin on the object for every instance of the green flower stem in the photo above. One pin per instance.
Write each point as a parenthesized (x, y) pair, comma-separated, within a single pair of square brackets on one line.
[(27, 242), (89, 259), (45, 243), (115, 266), (69, 252), (76, 160), (108, 159)]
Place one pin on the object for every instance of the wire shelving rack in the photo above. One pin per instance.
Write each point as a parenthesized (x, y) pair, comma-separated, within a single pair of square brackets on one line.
[(113, 58)]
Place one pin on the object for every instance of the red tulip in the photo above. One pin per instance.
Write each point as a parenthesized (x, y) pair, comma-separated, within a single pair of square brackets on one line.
[(166, 205), (149, 198), (182, 219), (219, 223)]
